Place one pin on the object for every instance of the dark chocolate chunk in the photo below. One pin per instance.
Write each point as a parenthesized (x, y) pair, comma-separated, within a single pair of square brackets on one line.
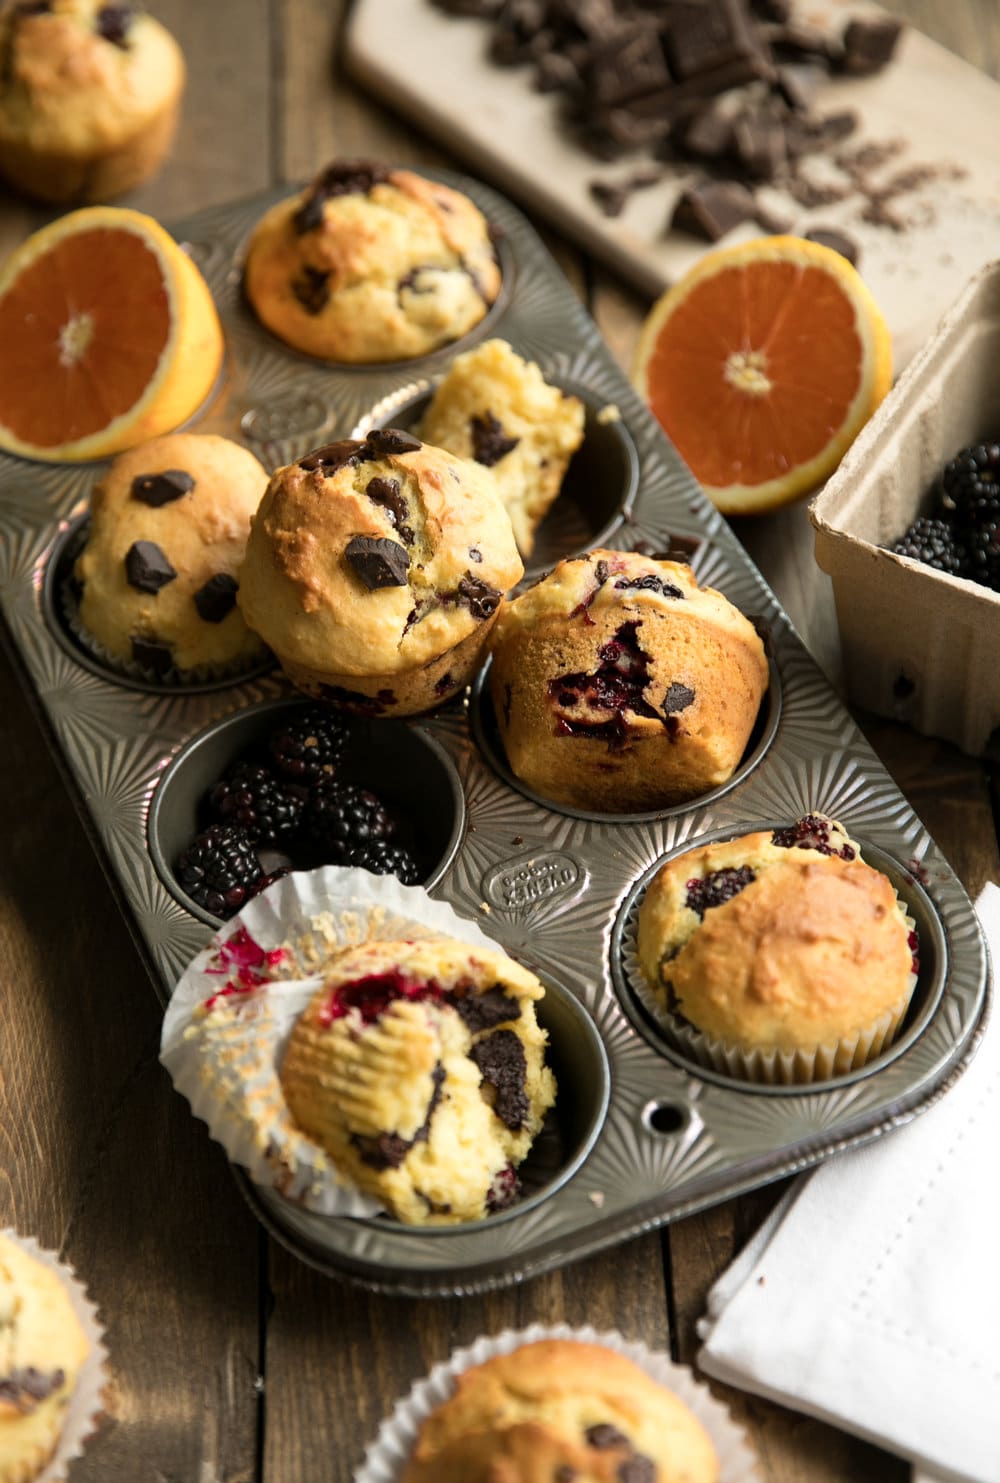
[(113, 22), (556, 71), (217, 598), (146, 567), (502, 1065), (25, 1388), (386, 494), (481, 600), (627, 66), (386, 441), (709, 134), (151, 654), (760, 145), (415, 281), (333, 456), (344, 178), (444, 684), (711, 39), (637, 1469), (712, 209), (604, 1436), (677, 698), (311, 286), (489, 442), (161, 489), (475, 554), (839, 241), (378, 561), (610, 198), (486, 1011), (388, 1150), (869, 43)]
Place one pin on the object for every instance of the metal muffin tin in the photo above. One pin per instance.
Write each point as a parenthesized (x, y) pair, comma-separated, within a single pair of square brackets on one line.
[(558, 889)]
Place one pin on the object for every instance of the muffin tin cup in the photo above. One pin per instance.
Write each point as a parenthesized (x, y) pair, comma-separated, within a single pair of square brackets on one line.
[(547, 885), (386, 1456)]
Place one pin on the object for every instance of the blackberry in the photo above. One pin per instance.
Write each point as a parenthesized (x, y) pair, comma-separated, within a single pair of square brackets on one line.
[(341, 818), (382, 857), (252, 797), (309, 745), (717, 888), (219, 869), (982, 563), (934, 542), (970, 484)]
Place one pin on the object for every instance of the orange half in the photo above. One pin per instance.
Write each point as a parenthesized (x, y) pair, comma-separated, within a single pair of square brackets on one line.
[(762, 364), (109, 337)]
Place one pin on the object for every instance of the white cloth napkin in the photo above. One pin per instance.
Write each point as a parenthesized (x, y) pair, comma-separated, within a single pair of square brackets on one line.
[(871, 1298)]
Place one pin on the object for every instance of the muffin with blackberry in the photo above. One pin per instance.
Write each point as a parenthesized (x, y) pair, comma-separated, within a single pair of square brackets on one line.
[(168, 527), (376, 569), (780, 955), (498, 409), (371, 264), (561, 1409), (420, 1068), (43, 1349), (89, 97), (619, 684)]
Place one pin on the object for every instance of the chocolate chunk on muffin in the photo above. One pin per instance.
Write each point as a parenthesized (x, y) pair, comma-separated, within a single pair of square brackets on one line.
[(168, 526), (419, 1067), (376, 569), (619, 684), (89, 97), (560, 1410), (498, 409), (781, 955), (371, 264)]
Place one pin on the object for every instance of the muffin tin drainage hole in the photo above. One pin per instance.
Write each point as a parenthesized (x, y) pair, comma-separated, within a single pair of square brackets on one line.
[(649, 1015), (406, 768), (598, 488), (665, 1118), (486, 733)]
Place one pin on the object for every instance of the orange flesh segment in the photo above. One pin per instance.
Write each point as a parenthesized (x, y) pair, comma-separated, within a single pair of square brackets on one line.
[(50, 398), (788, 310)]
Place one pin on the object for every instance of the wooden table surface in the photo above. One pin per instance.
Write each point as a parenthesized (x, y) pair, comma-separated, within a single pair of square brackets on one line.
[(231, 1361)]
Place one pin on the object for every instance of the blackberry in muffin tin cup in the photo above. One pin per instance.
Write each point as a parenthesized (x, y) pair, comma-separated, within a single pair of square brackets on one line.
[(360, 1049), (783, 957)]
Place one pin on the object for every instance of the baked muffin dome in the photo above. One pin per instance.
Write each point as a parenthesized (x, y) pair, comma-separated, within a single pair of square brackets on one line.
[(782, 943), (498, 409), (561, 1409), (42, 1351), (371, 264), (169, 522), (89, 97), (619, 684), (376, 569), (419, 1068)]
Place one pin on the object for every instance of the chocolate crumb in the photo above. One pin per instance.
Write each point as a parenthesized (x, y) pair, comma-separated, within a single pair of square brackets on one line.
[(311, 286)]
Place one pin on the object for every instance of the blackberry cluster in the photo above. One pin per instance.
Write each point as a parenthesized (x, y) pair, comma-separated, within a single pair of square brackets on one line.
[(286, 797), (962, 535)]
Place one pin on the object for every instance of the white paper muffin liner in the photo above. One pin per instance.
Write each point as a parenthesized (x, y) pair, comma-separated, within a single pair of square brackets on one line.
[(765, 1068), (86, 1405), (387, 1455), (227, 1063)]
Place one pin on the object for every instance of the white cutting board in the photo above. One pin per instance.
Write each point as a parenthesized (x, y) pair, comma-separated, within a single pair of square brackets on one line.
[(434, 68)]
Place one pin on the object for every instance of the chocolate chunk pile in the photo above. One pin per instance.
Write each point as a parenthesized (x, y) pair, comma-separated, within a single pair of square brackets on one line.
[(725, 83)]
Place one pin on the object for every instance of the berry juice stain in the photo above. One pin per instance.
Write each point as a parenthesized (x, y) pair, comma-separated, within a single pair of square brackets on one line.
[(373, 994)]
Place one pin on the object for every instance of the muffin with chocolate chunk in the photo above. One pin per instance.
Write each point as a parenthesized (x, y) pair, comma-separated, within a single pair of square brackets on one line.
[(89, 97), (498, 409), (371, 264), (376, 569), (420, 1068), (781, 955), (561, 1409), (43, 1349), (168, 527), (620, 685)]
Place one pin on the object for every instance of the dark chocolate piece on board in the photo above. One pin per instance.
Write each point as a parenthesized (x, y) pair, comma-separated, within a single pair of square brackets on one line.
[(377, 561), (161, 489), (146, 567), (704, 39), (217, 598), (869, 43), (760, 145), (610, 197), (839, 241), (709, 135), (712, 209), (797, 83), (628, 66)]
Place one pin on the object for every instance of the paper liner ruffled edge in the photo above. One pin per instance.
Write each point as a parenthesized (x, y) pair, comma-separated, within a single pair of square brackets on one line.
[(762, 1068), (87, 1404), (269, 917), (386, 1456)]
